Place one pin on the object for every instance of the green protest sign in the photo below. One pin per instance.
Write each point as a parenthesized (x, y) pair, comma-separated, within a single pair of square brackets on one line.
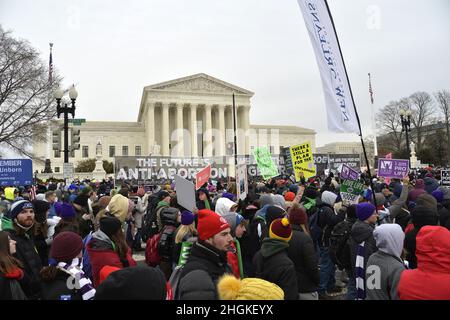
[(184, 253), (265, 163), (351, 190)]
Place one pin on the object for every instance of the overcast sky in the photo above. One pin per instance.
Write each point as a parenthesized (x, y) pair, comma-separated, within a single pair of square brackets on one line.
[(111, 49)]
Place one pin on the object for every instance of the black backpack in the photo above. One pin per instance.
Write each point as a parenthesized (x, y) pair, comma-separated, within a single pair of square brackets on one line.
[(339, 248), (165, 243), (315, 229), (149, 222)]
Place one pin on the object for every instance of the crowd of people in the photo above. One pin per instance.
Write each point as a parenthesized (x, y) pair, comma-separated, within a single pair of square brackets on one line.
[(285, 240)]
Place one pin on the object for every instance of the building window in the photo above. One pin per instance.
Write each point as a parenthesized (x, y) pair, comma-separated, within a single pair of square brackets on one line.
[(125, 150), (85, 151), (137, 150), (112, 151), (56, 169), (57, 154), (271, 148)]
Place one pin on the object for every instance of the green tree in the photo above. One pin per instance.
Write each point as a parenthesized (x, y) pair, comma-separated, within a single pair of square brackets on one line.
[(88, 165)]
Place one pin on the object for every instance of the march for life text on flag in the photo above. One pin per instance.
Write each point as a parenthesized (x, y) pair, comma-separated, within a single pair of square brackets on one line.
[(341, 116), (265, 163), (303, 161), (202, 177)]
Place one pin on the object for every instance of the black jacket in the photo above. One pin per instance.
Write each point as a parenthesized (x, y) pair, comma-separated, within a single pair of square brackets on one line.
[(444, 216), (273, 264), (12, 288), (58, 290), (327, 220), (26, 253), (199, 277), (362, 231), (302, 253)]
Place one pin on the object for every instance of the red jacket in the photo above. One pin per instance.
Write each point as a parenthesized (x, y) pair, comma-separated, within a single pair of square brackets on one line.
[(102, 254), (431, 279)]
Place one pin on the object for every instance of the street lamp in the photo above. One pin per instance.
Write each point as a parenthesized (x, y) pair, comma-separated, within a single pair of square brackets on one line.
[(405, 116), (73, 94)]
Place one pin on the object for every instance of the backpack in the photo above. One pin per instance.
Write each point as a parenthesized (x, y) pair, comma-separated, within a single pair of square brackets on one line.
[(149, 225), (315, 230), (152, 257), (165, 243), (339, 248)]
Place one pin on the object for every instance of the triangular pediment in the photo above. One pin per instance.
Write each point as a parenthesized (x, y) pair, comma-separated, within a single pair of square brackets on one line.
[(199, 83)]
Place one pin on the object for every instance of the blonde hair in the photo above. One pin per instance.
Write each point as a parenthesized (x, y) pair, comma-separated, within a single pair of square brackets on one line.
[(183, 231)]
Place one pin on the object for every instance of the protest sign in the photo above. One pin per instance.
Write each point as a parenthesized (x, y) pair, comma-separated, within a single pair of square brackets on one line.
[(185, 193), (348, 173), (16, 172), (302, 161), (241, 181), (393, 168), (265, 163), (202, 177), (351, 190)]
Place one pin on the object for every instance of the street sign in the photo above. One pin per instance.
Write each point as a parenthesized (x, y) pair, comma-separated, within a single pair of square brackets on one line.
[(68, 170), (16, 172), (77, 122)]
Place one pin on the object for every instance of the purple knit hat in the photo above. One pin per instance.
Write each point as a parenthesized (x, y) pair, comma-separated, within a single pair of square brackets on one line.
[(187, 218)]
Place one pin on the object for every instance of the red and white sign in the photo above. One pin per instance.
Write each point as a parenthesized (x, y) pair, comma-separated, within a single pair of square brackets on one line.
[(202, 177)]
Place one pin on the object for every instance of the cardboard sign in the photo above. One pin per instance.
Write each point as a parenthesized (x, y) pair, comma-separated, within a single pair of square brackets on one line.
[(351, 191), (393, 168), (348, 173), (202, 177), (303, 161), (241, 181), (185, 193), (265, 163)]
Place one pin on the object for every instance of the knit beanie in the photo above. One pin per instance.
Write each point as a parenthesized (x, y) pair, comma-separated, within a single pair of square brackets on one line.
[(364, 210), (329, 197), (233, 219), (274, 212), (66, 246), (17, 208), (67, 211), (424, 216), (427, 200), (187, 218), (210, 223), (58, 206), (289, 196), (231, 288), (118, 207), (298, 216), (280, 229), (229, 196), (110, 225), (133, 283), (438, 195), (40, 210)]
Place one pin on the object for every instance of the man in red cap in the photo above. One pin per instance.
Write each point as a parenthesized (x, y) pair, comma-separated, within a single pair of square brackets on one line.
[(208, 258)]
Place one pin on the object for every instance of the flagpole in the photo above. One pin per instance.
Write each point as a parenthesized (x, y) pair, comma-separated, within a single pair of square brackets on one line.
[(235, 138), (375, 147), (354, 106), (50, 65)]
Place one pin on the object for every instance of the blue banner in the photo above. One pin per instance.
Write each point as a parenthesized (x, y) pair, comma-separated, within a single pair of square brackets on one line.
[(16, 172)]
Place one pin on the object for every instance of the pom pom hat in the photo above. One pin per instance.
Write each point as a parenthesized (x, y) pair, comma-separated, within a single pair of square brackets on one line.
[(280, 229)]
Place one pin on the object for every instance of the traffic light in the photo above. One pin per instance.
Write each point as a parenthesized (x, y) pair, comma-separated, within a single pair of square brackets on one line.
[(56, 140), (75, 139)]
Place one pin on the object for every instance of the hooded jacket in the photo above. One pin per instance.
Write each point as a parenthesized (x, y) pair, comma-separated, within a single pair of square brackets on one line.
[(223, 206), (102, 253), (27, 254), (362, 231), (389, 240), (199, 276), (273, 264), (431, 279), (431, 184)]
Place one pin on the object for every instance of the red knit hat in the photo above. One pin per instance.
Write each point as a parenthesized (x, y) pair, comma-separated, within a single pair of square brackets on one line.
[(280, 229), (298, 216), (289, 196), (210, 223), (66, 246)]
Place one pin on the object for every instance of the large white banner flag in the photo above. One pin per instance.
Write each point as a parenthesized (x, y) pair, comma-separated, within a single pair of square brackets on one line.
[(341, 114)]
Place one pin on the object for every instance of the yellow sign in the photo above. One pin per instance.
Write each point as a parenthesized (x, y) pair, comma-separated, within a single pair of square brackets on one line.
[(303, 161)]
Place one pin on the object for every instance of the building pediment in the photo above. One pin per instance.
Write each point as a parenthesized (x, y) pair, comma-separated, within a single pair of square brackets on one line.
[(198, 83)]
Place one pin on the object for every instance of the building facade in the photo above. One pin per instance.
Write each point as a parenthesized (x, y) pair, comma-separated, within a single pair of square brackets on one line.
[(186, 117)]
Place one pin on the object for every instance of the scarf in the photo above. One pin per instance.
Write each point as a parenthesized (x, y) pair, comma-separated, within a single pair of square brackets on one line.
[(360, 272), (82, 283)]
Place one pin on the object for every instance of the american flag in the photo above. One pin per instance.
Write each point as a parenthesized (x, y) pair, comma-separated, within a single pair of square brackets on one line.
[(370, 89), (50, 65), (33, 193)]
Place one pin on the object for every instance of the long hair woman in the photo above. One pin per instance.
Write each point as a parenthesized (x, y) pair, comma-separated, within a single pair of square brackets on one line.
[(11, 274)]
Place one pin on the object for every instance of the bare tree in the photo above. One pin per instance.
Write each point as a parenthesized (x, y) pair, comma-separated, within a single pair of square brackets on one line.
[(443, 99), (422, 110), (389, 123), (26, 101)]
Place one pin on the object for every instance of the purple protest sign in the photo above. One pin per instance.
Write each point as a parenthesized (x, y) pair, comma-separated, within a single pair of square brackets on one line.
[(393, 168), (348, 173)]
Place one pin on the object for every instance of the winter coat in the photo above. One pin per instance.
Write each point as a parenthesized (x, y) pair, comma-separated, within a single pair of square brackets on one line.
[(102, 253), (431, 279), (327, 220), (223, 206), (362, 231), (273, 264), (302, 253), (233, 260), (389, 240), (57, 289), (444, 216), (397, 205), (199, 276), (11, 285), (26, 253)]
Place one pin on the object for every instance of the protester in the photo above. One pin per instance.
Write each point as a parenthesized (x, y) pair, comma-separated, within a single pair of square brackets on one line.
[(185, 233), (234, 255), (203, 199)]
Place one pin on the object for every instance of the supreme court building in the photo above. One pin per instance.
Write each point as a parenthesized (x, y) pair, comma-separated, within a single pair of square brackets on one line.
[(185, 117)]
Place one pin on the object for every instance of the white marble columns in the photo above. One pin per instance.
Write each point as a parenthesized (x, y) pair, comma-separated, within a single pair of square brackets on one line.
[(150, 127), (193, 129), (179, 132), (165, 130), (207, 135)]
